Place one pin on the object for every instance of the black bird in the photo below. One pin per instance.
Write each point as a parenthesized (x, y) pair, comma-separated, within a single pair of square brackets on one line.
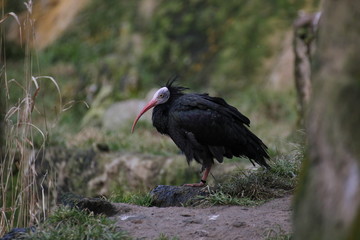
[(204, 128)]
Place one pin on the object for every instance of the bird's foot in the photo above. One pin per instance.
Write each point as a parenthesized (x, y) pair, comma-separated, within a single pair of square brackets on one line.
[(200, 184)]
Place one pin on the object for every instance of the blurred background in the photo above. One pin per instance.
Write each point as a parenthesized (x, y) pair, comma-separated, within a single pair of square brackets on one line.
[(102, 59)]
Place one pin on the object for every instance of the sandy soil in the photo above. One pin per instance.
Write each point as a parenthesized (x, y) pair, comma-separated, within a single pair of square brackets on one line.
[(220, 222)]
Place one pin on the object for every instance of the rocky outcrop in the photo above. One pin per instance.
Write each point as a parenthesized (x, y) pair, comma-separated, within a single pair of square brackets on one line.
[(95, 205), (177, 196), (128, 172), (162, 196), (93, 172)]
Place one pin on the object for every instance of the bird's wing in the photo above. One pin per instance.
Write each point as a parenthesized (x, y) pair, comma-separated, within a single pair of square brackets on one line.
[(225, 108), (214, 123), (211, 120)]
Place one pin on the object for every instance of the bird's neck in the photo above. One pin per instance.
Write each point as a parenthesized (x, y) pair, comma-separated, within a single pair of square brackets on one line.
[(160, 118)]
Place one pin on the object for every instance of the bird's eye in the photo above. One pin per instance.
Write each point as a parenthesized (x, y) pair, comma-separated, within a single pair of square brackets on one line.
[(161, 95)]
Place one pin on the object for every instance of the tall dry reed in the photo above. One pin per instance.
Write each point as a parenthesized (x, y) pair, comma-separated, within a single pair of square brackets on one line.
[(22, 198)]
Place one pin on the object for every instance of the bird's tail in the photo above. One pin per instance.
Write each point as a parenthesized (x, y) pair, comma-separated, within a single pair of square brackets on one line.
[(257, 150)]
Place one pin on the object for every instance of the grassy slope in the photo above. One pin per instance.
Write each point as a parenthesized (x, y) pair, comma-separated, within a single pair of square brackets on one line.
[(99, 48)]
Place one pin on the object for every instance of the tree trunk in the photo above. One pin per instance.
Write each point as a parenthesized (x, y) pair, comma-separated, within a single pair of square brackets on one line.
[(305, 28), (327, 204), (2, 95)]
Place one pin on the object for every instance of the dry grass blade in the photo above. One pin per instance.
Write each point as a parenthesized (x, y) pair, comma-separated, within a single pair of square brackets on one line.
[(22, 199), (11, 112), (28, 6), (35, 94), (71, 103), (35, 80), (17, 109), (35, 127), (10, 14), (13, 15), (17, 83)]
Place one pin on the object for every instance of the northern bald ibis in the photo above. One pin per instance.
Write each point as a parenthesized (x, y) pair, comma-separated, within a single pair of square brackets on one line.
[(203, 127)]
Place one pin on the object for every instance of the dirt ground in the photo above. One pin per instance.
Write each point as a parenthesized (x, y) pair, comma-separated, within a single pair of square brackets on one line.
[(219, 222)]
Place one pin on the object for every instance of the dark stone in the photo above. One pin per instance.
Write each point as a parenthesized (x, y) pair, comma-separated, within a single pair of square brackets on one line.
[(176, 196), (17, 233), (103, 147), (135, 218), (69, 199), (202, 233), (239, 224), (193, 221), (95, 205)]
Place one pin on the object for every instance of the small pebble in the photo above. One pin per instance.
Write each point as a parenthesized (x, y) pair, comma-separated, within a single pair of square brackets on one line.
[(239, 224), (193, 221), (202, 233)]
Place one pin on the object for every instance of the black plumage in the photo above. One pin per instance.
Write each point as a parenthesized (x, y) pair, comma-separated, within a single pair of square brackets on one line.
[(207, 128), (204, 127)]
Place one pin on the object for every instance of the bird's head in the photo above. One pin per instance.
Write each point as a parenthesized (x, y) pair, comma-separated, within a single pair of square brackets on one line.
[(161, 96)]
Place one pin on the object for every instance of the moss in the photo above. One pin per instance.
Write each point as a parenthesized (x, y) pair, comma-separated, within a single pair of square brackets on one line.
[(303, 180), (354, 232)]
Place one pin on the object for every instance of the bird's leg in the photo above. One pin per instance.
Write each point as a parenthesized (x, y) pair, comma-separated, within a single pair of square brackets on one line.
[(203, 179)]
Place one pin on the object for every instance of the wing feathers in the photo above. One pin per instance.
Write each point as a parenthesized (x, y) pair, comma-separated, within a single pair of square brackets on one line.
[(214, 129)]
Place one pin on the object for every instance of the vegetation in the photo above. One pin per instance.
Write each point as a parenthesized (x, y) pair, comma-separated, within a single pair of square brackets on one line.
[(22, 200), (207, 42), (194, 36), (163, 236), (277, 234), (249, 187), (221, 198), (141, 199), (113, 51), (72, 224)]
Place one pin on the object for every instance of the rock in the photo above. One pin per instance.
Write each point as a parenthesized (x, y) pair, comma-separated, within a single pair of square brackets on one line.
[(95, 205), (133, 171), (176, 196), (17, 233), (193, 221), (239, 224), (132, 218), (202, 233), (71, 169), (90, 172), (119, 114)]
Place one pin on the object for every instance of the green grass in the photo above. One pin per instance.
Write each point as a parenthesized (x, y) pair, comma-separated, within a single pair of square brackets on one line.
[(254, 187), (277, 233), (242, 187), (141, 199), (145, 139), (221, 198), (280, 237), (71, 224), (163, 236)]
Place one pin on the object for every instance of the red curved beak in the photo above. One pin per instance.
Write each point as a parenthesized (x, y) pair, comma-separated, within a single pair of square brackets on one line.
[(148, 106)]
